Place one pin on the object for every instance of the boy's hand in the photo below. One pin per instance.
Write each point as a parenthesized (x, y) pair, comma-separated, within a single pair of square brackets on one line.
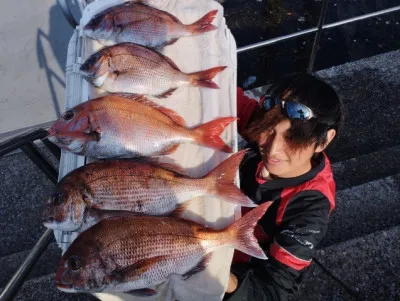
[(232, 284)]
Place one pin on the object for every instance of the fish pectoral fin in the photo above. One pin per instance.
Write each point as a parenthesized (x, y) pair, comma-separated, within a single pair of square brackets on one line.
[(180, 209), (144, 292), (131, 96), (171, 167), (171, 62), (170, 150), (136, 270), (198, 268), (116, 73), (119, 28), (94, 135), (167, 93), (172, 41)]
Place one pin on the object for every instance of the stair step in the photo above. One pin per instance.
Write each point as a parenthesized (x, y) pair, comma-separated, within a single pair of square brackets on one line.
[(368, 89), (367, 168), (364, 209), (47, 264), (43, 289), (368, 265)]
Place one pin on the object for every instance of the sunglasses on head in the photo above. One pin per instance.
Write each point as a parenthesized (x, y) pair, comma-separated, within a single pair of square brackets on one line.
[(294, 110)]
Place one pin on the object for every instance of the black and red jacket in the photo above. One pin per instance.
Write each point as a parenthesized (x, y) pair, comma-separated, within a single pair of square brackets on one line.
[(291, 228)]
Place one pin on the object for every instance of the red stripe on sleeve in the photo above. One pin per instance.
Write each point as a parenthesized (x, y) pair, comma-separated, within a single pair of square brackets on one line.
[(245, 107), (287, 258)]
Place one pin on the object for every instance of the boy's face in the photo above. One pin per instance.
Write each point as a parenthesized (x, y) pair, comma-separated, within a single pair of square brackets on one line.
[(279, 158)]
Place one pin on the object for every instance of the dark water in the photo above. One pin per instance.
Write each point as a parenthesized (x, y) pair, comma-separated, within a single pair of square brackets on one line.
[(253, 21)]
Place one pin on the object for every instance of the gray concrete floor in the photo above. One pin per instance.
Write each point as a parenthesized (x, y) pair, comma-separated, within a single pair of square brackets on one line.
[(34, 38)]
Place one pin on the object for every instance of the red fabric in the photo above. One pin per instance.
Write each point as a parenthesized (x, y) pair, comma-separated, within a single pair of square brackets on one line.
[(286, 196), (287, 258), (324, 183), (245, 107), (326, 176)]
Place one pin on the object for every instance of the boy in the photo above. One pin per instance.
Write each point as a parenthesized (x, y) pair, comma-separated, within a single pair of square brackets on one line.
[(288, 130)]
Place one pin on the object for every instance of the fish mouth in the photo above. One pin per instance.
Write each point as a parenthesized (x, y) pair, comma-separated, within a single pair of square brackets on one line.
[(70, 227), (49, 224), (88, 26), (68, 288), (53, 138), (87, 74)]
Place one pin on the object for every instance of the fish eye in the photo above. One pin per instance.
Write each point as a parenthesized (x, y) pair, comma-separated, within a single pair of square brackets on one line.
[(74, 263), (68, 115), (57, 199)]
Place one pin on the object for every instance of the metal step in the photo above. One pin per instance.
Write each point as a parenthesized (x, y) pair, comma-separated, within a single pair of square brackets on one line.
[(367, 265), (47, 263), (23, 191), (369, 91), (43, 289), (366, 168)]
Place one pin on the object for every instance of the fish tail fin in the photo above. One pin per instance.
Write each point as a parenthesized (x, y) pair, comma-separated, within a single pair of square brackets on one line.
[(224, 175), (208, 134), (204, 24), (204, 78), (242, 232)]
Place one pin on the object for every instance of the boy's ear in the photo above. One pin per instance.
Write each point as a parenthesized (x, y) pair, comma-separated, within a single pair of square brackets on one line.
[(330, 135)]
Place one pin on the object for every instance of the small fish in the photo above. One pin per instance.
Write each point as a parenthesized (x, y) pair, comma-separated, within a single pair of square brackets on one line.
[(130, 68), (137, 187), (125, 254), (115, 126), (143, 25)]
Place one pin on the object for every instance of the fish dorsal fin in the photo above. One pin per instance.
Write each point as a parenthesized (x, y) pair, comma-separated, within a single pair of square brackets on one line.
[(170, 61), (161, 14), (167, 93), (141, 51), (173, 18), (172, 167), (136, 270), (198, 268), (175, 117)]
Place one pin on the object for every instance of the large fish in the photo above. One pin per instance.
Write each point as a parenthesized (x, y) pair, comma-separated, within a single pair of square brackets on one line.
[(137, 187), (130, 68), (144, 25), (115, 126), (123, 254)]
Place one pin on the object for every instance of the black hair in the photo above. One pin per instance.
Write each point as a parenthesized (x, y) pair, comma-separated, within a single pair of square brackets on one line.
[(313, 92)]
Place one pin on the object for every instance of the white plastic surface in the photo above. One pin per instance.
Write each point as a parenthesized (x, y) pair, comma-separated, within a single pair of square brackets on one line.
[(196, 106)]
